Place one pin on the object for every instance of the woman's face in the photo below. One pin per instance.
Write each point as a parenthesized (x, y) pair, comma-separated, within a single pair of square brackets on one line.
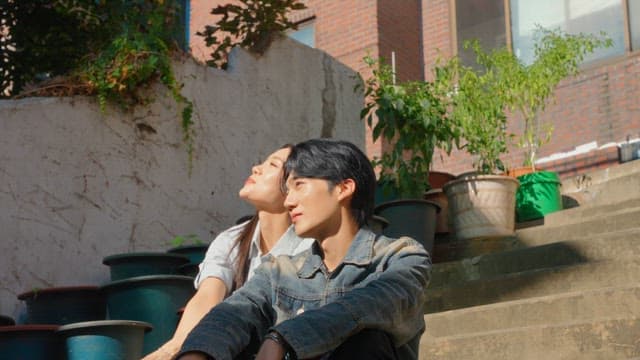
[(262, 187)]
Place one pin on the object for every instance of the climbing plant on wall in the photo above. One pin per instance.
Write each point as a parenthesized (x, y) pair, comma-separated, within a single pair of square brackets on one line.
[(114, 49), (111, 49)]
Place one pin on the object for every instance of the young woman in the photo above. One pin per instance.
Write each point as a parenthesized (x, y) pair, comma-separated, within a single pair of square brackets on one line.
[(234, 254)]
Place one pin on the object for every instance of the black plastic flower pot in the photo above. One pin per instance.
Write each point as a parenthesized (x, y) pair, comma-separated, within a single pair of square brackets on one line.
[(64, 305)]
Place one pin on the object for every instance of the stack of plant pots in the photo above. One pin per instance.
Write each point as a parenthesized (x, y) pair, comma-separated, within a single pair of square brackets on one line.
[(69, 323), (130, 316), (146, 287)]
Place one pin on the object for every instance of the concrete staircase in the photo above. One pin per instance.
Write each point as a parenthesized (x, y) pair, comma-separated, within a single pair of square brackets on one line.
[(567, 287)]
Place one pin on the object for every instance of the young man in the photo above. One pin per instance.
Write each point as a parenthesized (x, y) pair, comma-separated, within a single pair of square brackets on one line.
[(352, 295)]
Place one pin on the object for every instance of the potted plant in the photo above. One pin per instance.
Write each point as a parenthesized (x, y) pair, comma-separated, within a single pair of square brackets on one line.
[(482, 203), (530, 86), (412, 117)]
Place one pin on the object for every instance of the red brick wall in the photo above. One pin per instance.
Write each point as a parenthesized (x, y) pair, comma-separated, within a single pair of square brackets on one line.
[(437, 38), (399, 31), (200, 16), (600, 105)]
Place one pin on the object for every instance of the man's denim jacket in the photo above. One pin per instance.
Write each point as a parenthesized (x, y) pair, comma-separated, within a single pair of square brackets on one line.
[(380, 284)]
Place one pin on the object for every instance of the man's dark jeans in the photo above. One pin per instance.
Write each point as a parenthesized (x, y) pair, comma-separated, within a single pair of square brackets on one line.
[(367, 344)]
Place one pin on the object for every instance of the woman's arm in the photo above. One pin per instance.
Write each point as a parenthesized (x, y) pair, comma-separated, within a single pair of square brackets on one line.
[(210, 293)]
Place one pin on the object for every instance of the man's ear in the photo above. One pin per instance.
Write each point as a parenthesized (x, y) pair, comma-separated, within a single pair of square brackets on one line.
[(346, 188)]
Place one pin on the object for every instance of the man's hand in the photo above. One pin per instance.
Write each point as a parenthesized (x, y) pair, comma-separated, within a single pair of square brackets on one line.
[(270, 350)]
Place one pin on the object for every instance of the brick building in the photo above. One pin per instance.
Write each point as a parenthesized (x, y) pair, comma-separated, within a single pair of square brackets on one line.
[(595, 115)]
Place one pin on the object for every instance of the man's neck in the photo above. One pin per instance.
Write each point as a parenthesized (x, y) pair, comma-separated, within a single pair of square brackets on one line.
[(272, 226), (335, 246)]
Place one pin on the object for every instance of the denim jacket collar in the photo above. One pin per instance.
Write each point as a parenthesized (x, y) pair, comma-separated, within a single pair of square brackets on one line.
[(360, 253)]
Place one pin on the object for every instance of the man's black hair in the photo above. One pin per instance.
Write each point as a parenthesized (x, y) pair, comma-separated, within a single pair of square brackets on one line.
[(335, 161)]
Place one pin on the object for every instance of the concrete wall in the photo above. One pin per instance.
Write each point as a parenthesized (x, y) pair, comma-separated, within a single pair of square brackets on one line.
[(347, 30), (77, 185)]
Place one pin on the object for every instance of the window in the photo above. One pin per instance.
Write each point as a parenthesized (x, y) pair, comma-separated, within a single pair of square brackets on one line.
[(572, 16), (634, 23), (482, 20), (305, 33), (485, 20)]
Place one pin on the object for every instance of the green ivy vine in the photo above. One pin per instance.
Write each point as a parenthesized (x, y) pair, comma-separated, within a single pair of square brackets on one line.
[(111, 49), (114, 49)]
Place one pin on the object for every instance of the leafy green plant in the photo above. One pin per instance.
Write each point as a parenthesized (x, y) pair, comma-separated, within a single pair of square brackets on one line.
[(125, 67), (251, 24), (111, 49), (502, 82), (181, 240), (479, 101), (412, 117), (557, 56)]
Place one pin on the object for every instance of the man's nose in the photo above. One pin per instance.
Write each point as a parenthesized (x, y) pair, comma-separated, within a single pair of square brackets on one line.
[(289, 201)]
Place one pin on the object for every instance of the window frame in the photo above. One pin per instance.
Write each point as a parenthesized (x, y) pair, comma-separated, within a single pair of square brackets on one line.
[(628, 49)]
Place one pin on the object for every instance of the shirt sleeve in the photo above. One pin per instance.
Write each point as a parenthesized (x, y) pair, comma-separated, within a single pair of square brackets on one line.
[(220, 258), (392, 302), (241, 320)]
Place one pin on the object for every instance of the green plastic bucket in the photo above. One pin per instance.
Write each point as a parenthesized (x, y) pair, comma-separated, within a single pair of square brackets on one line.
[(153, 299), (104, 340), (538, 195), (64, 305), (30, 342), (195, 253), (130, 265)]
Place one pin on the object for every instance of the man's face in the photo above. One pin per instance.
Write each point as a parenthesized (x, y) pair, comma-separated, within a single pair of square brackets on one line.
[(314, 206)]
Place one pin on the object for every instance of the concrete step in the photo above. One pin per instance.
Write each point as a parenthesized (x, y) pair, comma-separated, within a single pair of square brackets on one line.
[(623, 219), (589, 212), (533, 283), (611, 224), (609, 302), (615, 246), (615, 184), (602, 339)]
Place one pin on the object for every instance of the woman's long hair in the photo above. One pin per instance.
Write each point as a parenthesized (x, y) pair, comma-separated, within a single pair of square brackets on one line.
[(243, 243)]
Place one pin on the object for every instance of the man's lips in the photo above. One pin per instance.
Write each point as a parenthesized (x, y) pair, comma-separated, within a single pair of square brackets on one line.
[(249, 181), (295, 216)]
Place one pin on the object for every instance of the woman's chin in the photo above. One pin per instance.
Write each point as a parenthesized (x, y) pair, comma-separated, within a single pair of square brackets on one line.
[(244, 193)]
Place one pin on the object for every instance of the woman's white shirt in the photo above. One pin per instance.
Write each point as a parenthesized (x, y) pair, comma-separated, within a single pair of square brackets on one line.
[(220, 258)]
